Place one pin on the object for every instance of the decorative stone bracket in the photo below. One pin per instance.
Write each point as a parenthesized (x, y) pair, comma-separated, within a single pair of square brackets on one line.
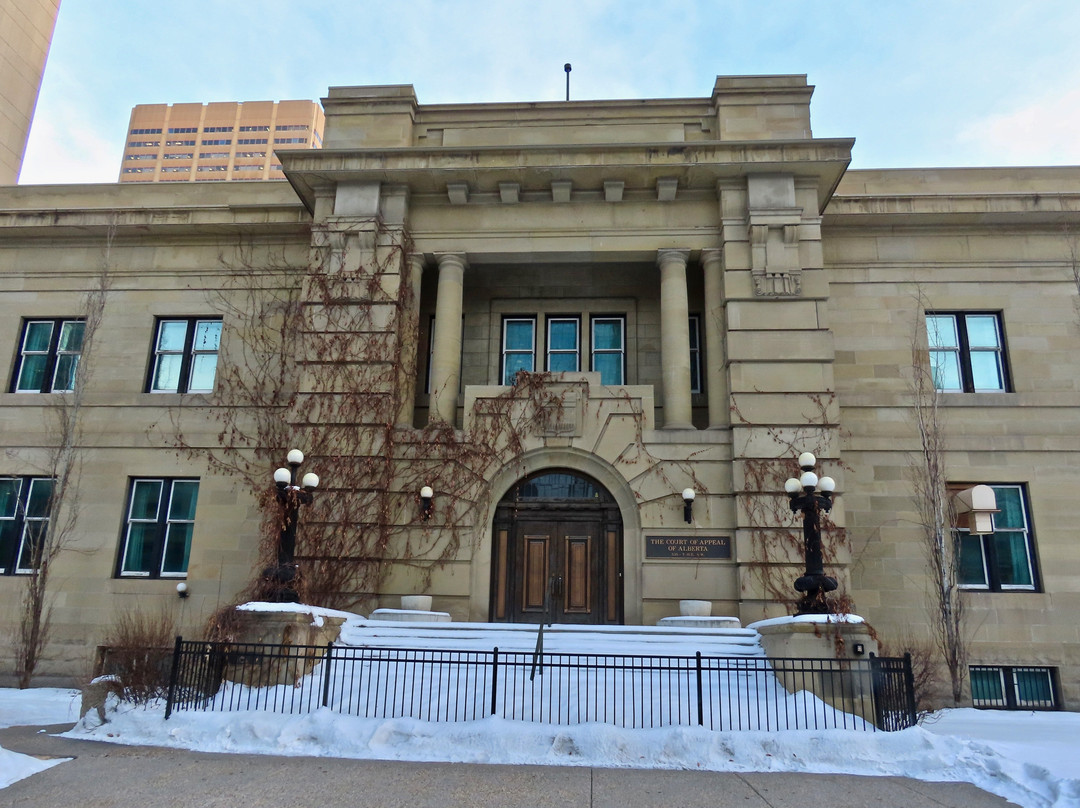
[(774, 253)]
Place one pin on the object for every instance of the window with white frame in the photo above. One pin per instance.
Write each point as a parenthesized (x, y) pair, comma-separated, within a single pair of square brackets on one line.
[(1013, 687), (1003, 560), (966, 351), (49, 354), (563, 344), (158, 528), (24, 521), (696, 385), (518, 347), (608, 353), (185, 355)]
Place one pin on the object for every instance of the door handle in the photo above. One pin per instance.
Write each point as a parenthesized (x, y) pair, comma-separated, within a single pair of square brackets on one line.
[(556, 586)]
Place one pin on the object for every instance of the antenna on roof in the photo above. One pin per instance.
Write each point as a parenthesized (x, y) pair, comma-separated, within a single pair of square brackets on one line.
[(567, 68)]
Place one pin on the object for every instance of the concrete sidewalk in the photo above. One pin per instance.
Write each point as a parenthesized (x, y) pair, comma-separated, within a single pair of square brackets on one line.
[(103, 775)]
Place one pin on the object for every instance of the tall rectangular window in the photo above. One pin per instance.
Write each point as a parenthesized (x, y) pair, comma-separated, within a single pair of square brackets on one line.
[(696, 385), (158, 528), (609, 349), (49, 354), (563, 344), (518, 347), (24, 521), (1012, 687), (966, 351), (185, 355), (1004, 559)]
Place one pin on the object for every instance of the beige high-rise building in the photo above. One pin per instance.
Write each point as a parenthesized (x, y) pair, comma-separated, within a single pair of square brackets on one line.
[(217, 141), (26, 29)]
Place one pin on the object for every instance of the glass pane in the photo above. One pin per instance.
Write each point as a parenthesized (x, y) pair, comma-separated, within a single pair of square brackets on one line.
[(207, 335), (945, 367), (563, 362), (171, 335), (32, 540), (71, 336), (9, 533), (986, 370), (140, 548), (37, 501), (986, 685), (1033, 687), (177, 549), (203, 370), (693, 333), (64, 378), (519, 335), (184, 495), (1012, 558), (514, 363), (972, 568), (38, 336), (558, 486), (982, 331), (941, 331), (1010, 508), (32, 372), (145, 496), (9, 496), (609, 366), (167, 373), (563, 335), (607, 334)]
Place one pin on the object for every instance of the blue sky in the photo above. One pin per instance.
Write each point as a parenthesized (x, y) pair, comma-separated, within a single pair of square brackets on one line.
[(920, 83)]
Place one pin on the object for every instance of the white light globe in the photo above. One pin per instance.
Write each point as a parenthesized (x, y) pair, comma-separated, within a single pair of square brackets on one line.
[(426, 492), (793, 486), (311, 480), (808, 480), (807, 460), (295, 457), (688, 494), (282, 476), (827, 484)]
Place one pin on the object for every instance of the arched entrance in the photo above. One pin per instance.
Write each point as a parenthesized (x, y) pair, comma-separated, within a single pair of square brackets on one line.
[(557, 532)]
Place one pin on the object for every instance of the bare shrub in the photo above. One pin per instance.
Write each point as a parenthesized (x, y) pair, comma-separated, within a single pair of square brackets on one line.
[(138, 650)]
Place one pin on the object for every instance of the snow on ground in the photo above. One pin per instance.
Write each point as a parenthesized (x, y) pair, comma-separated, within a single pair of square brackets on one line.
[(27, 707)]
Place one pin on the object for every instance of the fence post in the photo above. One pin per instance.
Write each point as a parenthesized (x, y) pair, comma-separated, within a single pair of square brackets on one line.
[(173, 675), (700, 698), (326, 673), (909, 686), (494, 679)]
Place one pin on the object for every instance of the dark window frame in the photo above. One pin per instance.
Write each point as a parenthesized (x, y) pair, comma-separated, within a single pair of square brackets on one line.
[(550, 319), (53, 355), (1011, 688), (18, 523), (504, 351), (593, 351), (189, 352), (964, 350), (162, 523), (989, 550)]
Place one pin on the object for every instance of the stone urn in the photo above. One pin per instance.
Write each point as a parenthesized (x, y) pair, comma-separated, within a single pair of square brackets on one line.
[(695, 608), (416, 603)]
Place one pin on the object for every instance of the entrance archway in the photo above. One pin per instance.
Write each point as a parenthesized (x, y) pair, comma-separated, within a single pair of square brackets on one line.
[(557, 535)]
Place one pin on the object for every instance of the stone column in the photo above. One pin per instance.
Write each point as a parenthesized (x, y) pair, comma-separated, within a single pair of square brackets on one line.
[(409, 339), (715, 360), (675, 338), (446, 354)]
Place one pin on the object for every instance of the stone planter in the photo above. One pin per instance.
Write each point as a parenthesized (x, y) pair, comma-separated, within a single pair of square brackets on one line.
[(416, 603), (695, 608)]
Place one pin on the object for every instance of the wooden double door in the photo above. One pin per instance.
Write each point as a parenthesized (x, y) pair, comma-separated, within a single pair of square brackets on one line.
[(558, 562)]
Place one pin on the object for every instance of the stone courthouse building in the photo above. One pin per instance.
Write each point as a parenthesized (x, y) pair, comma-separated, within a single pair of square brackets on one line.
[(559, 317)]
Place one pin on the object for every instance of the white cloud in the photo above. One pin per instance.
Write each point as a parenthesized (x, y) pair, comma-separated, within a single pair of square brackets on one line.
[(1043, 132)]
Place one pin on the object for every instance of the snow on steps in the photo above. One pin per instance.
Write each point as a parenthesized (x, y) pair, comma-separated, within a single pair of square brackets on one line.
[(559, 638)]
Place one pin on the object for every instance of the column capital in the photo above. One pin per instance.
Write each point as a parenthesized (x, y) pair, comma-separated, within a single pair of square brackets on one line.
[(712, 255), (672, 254), (452, 259)]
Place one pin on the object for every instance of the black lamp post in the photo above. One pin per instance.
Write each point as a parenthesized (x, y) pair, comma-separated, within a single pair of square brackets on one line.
[(290, 496), (812, 496)]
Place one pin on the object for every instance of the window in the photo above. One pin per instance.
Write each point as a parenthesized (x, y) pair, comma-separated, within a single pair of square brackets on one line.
[(247, 168), (174, 169), (145, 132), (216, 155), (563, 344), (254, 129), (966, 352), (185, 356), (158, 528), (518, 347), (182, 130), (179, 143), (1002, 560), (217, 142), (1013, 688), (292, 127), (48, 356), (141, 157), (695, 354), (143, 144), (213, 168), (217, 128), (290, 140), (24, 518), (238, 154), (249, 141), (178, 156), (609, 349)]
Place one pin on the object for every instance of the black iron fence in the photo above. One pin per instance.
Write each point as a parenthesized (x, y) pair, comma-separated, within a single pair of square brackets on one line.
[(721, 693)]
